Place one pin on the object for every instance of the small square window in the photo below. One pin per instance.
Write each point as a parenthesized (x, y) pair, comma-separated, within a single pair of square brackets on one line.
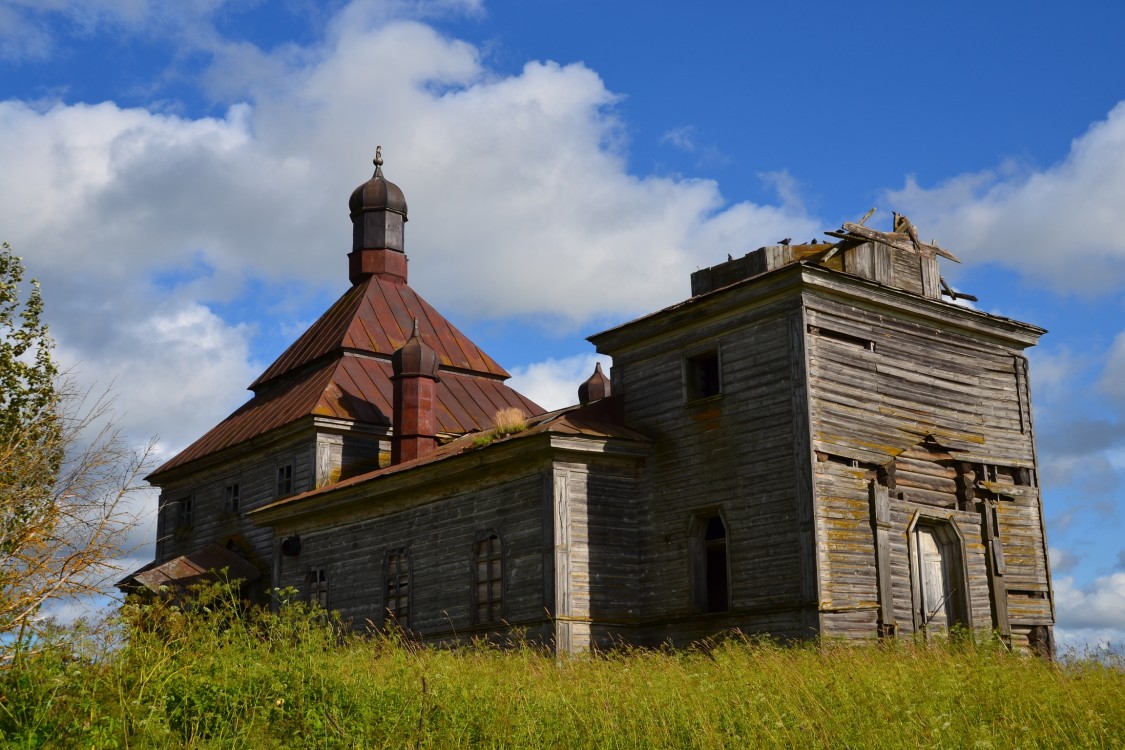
[(702, 375), (231, 497), (285, 480)]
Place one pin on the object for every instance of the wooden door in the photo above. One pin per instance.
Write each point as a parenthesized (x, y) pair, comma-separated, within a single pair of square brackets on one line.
[(935, 582)]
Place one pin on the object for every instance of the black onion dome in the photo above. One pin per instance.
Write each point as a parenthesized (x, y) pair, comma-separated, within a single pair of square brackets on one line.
[(377, 194), (595, 388), (415, 357)]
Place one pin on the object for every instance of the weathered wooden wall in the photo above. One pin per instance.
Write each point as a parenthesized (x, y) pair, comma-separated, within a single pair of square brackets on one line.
[(883, 380), (317, 456), (737, 454), (597, 528), (256, 473), (439, 535)]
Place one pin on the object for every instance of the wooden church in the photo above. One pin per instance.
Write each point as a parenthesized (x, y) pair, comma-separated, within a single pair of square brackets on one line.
[(818, 442)]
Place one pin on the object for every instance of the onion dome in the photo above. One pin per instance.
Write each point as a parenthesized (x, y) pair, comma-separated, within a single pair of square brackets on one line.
[(415, 358), (377, 194), (595, 388), (378, 211)]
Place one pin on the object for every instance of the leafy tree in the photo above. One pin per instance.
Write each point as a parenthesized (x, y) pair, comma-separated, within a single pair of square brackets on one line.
[(66, 472)]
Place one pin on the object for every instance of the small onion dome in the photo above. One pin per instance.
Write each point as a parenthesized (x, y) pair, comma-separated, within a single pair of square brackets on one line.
[(415, 358), (377, 194), (594, 389)]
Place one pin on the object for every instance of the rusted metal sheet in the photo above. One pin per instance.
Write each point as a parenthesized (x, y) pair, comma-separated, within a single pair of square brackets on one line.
[(597, 420), (208, 563), (374, 318), (356, 388), (378, 316)]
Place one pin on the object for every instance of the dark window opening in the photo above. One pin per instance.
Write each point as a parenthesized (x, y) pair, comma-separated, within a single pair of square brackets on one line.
[(396, 590), (488, 579), (231, 497), (715, 566), (185, 516), (703, 376), (710, 565), (317, 584), (285, 480)]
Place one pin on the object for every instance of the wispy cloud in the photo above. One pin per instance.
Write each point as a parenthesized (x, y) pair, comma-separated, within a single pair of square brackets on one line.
[(686, 138)]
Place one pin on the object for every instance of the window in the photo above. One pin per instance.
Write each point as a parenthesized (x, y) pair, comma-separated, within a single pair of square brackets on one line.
[(702, 376), (710, 565), (285, 480), (317, 587), (939, 583), (185, 515), (488, 578), (231, 497), (396, 591)]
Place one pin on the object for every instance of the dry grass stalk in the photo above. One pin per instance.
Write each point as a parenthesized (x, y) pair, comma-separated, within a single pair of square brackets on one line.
[(508, 421)]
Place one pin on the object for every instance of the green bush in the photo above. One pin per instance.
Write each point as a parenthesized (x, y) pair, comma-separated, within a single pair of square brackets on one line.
[(217, 674)]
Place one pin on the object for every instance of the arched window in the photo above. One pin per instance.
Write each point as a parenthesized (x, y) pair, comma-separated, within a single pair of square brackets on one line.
[(710, 564), (488, 578), (396, 590)]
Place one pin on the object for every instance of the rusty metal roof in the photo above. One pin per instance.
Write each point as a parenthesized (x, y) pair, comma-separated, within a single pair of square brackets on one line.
[(377, 316), (341, 367), (600, 420), (195, 567)]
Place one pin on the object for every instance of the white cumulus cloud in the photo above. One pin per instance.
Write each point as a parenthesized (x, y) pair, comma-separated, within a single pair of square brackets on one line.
[(1094, 613), (1060, 224), (553, 383)]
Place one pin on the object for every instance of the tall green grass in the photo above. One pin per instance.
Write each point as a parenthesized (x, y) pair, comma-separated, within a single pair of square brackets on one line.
[(215, 676)]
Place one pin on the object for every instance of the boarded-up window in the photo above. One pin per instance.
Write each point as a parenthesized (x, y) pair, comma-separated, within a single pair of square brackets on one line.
[(396, 589), (317, 587), (488, 578), (702, 376)]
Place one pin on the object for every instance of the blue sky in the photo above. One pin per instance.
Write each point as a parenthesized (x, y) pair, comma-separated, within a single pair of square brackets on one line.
[(176, 175)]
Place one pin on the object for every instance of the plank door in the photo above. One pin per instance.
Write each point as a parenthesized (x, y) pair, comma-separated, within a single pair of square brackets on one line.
[(935, 579)]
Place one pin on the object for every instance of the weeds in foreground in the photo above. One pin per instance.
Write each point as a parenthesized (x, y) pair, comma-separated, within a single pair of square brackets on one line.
[(219, 675)]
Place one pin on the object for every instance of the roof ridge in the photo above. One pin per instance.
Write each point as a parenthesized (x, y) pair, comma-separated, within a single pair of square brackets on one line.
[(376, 316)]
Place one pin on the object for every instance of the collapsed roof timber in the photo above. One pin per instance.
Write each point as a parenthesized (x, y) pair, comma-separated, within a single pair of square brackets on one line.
[(817, 442)]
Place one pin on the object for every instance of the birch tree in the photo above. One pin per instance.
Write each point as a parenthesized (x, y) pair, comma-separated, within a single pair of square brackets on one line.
[(66, 471)]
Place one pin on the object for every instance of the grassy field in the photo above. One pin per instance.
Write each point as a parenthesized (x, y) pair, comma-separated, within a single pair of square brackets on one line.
[(160, 677)]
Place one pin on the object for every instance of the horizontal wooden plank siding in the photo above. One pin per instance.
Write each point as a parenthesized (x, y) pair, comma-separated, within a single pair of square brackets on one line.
[(731, 453), (439, 538), (255, 472), (882, 383), (601, 559)]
